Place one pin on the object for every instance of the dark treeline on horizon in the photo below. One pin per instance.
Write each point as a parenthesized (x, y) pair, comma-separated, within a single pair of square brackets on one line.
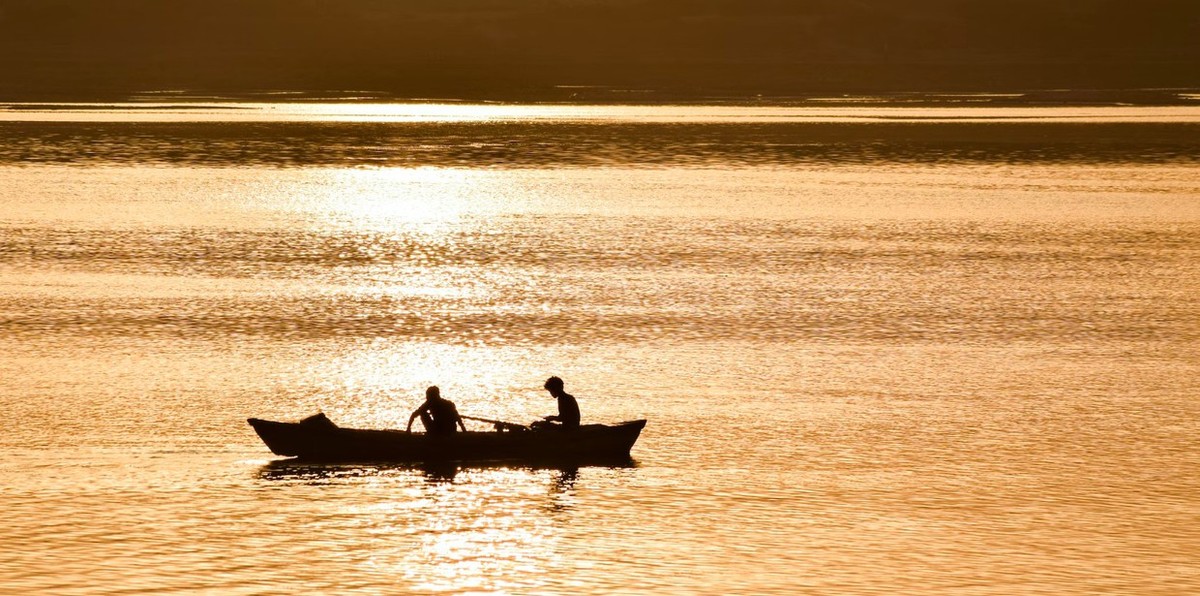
[(544, 49)]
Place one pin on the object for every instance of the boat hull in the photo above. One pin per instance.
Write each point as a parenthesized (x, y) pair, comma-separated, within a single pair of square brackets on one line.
[(327, 442)]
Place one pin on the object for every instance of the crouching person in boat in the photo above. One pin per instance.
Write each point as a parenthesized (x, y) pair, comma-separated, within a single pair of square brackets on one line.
[(439, 416), (568, 408)]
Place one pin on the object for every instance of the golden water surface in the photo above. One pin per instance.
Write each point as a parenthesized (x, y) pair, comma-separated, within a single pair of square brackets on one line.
[(944, 351)]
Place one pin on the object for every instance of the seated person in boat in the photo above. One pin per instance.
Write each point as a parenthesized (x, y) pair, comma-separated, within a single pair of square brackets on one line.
[(438, 415), (568, 408)]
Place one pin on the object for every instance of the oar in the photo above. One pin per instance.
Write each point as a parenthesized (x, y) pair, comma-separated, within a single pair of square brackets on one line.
[(499, 424)]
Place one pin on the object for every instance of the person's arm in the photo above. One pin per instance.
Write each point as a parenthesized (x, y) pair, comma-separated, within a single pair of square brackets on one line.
[(416, 412), (457, 417), (555, 417)]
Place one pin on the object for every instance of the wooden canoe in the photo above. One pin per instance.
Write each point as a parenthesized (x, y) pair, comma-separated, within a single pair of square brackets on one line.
[(318, 439)]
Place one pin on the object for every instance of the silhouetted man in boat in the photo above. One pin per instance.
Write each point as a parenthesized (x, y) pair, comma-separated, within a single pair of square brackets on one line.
[(438, 415), (568, 408)]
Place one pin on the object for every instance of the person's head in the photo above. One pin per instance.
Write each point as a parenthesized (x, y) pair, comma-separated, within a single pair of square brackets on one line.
[(554, 385), (433, 392)]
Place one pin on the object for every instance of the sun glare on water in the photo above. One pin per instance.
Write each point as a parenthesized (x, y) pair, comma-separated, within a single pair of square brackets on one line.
[(419, 200), (417, 112)]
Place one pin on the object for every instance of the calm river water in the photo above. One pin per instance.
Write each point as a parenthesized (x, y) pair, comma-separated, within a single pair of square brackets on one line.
[(880, 350)]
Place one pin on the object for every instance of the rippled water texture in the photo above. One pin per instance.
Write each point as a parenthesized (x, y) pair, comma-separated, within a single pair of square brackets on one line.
[(880, 351)]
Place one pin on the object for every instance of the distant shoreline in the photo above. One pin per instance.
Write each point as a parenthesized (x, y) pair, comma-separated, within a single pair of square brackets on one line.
[(600, 95)]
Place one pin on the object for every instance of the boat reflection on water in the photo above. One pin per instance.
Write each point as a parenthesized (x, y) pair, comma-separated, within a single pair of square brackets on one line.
[(443, 527), (318, 473)]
